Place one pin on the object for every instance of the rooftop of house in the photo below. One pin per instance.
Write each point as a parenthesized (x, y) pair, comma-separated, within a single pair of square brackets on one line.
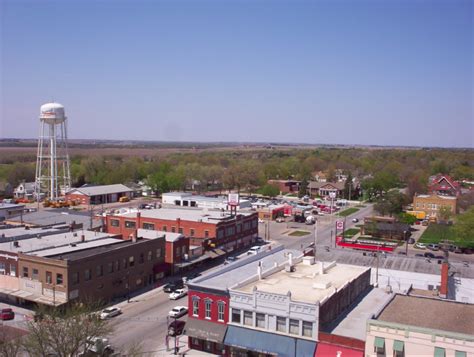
[(185, 214), (429, 313), (101, 189), (152, 234), (306, 283), (51, 241), (236, 272)]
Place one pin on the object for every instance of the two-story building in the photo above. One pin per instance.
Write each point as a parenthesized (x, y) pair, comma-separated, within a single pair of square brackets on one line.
[(432, 204), (206, 228)]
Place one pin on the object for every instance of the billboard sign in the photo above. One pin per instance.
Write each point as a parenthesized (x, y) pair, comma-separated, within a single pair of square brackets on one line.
[(339, 226), (233, 199)]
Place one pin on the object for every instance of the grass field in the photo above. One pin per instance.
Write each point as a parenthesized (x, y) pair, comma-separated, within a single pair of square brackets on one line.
[(349, 233), (299, 233), (437, 232), (348, 212)]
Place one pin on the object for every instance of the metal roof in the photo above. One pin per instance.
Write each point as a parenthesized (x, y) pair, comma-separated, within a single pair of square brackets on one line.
[(101, 190)]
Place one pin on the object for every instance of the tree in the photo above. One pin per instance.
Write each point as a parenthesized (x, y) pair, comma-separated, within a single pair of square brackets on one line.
[(444, 213), (391, 203), (64, 333), (270, 190), (464, 228), (303, 188), (406, 218), (348, 188)]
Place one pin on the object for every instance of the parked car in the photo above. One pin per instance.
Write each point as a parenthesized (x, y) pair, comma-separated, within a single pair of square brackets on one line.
[(280, 220), (170, 287), (424, 223), (429, 255), (110, 312), (411, 240), (419, 255), (254, 250), (420, 245), (229, 260), (355, 220), (178, 311), (97, 346), (439, 257), (7, 314), (433, 246), (176, 328), (178, 294)]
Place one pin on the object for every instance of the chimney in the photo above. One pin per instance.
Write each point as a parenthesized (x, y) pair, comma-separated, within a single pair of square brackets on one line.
[(83, 238), (259, 270), (443, 290)]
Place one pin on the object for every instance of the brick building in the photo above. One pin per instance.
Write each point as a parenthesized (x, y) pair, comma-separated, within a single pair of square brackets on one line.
[(95, 195), (431, 204), (83, 266), (286, 186), (209, 229)]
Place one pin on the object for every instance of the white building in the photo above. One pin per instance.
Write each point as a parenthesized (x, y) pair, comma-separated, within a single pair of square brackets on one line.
[(187, 199)]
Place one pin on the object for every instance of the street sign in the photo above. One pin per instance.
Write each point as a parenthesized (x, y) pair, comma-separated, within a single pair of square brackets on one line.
[(339, 226)]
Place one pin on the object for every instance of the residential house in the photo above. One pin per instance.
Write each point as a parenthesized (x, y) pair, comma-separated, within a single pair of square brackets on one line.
[(443, 185)]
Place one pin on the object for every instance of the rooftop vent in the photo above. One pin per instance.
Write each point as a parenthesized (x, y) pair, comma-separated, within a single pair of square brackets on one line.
[(16, 244), (73, 244)]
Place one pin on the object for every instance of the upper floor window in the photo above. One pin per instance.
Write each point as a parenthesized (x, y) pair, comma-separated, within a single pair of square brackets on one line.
[(35, 274), (25, 272), (294, 327), (248, 318), (49, 277), (281, 324), (87, 274), (180, 230), (115, 223), (220, 310), (75, 278), (150, 226), (208, 304), (260, 320), (130, 224), (206, 234), (195, 306), (191, 232), (307, 329), (236, 316), (59, 279), (99, 270)]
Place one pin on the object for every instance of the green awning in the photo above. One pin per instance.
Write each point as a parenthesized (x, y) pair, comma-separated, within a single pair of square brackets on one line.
[(460, 354), (379, 342), (398, 346), (439, 352)]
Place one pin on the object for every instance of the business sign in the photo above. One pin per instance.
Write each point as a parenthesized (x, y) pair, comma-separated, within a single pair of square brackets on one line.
[(339, 226), (332, 194), (233, 199)]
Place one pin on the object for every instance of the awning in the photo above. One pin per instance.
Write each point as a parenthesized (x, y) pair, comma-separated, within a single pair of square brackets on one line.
[(215, 253), (205, 330), (262, 342), (439, 352), (398, 346), (305, 348), (379, 342)]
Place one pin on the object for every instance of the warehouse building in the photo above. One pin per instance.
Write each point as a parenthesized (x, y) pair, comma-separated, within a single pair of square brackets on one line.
[(95, 195)]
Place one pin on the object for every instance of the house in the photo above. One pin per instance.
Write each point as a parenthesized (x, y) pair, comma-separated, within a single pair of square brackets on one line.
[(443, 185), (421, 326), (102, 194), (286, 186), (326, 189), (432, 204), (25, 190)]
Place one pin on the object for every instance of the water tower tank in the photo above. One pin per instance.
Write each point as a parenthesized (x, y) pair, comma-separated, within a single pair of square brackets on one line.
[(52, 113)]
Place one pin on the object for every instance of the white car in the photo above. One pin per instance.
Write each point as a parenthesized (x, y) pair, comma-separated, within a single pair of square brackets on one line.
[(110, 312), (355, 220), (420, 245), (178, 311), (178, 293), (254, 250), (261, 221)]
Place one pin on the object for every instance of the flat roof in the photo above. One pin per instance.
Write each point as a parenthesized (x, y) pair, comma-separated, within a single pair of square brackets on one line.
[(306, 283), (151, 234), (51, 241), (185, 214), (83, 249), (430, 313), (10, 205), (57, 216), (21, 232), (437, 196), (354, 322), (236, 272)]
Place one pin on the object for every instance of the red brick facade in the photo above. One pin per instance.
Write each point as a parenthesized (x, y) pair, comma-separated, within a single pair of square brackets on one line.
[(215, 300)]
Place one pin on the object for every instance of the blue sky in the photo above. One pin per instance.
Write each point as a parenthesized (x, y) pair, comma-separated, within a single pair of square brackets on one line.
[(346, 72)]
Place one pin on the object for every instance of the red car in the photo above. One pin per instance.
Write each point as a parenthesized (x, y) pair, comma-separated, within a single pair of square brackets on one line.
[(7, 314)]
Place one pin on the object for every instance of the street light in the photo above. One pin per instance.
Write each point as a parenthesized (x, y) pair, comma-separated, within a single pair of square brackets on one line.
[(406, 242)]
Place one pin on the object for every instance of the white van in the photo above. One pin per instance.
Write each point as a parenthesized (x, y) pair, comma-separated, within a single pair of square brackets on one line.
[(255, 250)]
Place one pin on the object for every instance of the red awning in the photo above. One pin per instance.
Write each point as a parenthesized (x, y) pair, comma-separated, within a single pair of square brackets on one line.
[(328, 350)]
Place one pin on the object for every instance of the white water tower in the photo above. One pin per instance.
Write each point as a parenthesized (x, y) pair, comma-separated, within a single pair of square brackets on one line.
[(52, 164)]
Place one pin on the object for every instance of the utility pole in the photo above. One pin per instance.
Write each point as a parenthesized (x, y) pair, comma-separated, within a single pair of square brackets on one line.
[(315, 236)]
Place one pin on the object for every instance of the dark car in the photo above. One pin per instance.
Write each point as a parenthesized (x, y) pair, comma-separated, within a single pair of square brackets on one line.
[(170, 287), (419, 255), (7, 314), (429, 255), (176, 328), (411, 241), (439, 257)]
